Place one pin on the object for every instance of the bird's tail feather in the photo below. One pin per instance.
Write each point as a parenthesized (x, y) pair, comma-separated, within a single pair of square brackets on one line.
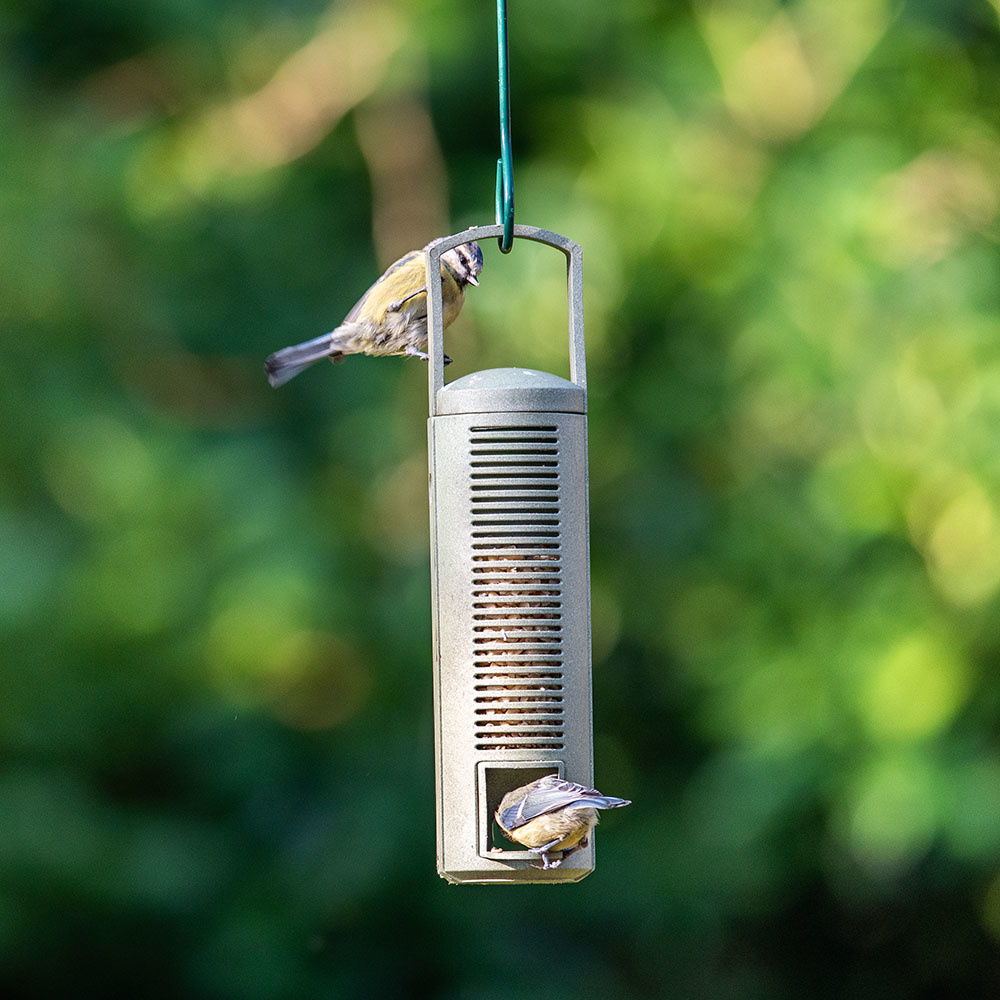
[(288, 362), (604, 801)]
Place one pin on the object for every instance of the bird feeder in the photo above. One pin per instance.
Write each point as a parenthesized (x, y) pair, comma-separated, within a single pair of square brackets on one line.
[(510, 572)]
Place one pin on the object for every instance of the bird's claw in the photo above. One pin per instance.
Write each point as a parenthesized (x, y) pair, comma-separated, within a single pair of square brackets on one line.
[(414, 353)]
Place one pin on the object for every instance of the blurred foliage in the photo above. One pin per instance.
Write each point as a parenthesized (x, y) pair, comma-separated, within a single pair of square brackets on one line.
[(215, 713)]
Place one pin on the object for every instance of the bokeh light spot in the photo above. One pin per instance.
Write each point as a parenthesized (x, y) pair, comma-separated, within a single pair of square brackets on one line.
[(893, 814), (914, 689)]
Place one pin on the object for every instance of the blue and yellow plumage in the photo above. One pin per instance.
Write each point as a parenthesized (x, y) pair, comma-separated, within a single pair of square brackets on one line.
[(552, 816), (391, 317)]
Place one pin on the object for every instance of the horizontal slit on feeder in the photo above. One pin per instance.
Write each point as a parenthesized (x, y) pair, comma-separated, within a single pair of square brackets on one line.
[(491, 565), (504, 576), (512, 625), (520, 725), (540, 572), (517, 590), (541, 514), (516, 739), (518, 659), (512, 534), (520, 654), (545, 616), (519, 433), (525, 605), (533, 452), (502, 728), (511, 611), (530, 656), (548, 516), (531, 612), (520, 741), (514, 486), (547, 510), (552, 702), (517, 557), (536, 565), (516, 632), (506, 459), (549, 551), (545, 654), (533, 669), (553, 745), (493, 499), (483, 575), (506, 562), (514, 473), (502, 736), (499, 725), (514, 598), (517, 529), (507, 729), (496, 546), (520, 710), (545, 644), (508, 687), (539, 506), (513, 639), (525, 598), (529, 715), (515, 429), (507, 467), (519, 682), (534, 664), (479, 442)]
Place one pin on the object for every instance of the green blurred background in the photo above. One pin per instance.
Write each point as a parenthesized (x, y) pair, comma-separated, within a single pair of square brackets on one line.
[(215, 695)]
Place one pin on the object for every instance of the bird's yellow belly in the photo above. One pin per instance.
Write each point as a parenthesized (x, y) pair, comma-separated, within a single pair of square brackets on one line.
[(569, 825)]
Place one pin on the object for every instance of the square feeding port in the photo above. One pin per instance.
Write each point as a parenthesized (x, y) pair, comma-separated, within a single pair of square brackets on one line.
[(496, 779)]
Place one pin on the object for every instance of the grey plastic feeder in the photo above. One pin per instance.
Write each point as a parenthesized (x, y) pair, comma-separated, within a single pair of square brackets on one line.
[(510, 572)]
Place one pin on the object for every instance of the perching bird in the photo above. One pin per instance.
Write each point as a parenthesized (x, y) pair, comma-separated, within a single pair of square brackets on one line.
[(391, 317), (552, 815)]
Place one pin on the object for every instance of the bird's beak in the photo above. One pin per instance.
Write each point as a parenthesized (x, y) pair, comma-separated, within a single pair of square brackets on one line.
[(473, 280)]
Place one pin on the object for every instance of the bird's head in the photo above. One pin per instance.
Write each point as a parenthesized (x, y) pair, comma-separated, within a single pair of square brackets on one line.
[(465, 262)]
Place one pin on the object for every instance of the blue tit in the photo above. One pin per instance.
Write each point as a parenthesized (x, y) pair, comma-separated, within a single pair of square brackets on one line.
[(552, 815), (391, 317)]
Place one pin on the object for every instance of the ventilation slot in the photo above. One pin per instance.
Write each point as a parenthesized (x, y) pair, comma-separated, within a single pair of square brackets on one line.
[(517, 588)]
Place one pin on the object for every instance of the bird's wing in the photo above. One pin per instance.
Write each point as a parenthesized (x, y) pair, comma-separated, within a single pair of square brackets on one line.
[(402, 262), (553, 793)]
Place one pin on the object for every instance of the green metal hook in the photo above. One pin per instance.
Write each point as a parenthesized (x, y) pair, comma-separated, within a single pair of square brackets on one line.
[(505, 165)]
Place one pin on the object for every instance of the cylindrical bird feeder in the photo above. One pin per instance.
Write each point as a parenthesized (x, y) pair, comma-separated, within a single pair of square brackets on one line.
[(510, 572)]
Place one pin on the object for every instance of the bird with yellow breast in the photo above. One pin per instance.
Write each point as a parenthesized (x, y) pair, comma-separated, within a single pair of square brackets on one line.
[(391, 317), (551, 816)]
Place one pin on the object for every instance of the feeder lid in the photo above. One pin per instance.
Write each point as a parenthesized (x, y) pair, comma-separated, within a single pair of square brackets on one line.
[(511, 389)]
